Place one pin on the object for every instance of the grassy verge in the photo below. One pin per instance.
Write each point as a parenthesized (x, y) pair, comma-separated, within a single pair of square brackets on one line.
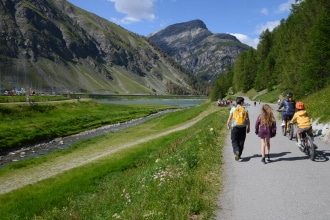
[(22, 98), (172, 177), (316, 103), (28, 124)]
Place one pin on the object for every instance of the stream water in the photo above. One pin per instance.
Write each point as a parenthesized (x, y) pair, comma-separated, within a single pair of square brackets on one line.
[(61, 143)]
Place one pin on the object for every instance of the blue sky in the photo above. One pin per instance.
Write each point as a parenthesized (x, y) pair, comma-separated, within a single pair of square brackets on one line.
[(245, 19)]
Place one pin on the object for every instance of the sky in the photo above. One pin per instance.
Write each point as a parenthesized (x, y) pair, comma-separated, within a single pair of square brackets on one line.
[(245, 19)]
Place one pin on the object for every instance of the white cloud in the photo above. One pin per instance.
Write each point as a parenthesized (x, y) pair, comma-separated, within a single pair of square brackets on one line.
[(135, 10), (264, 11), (285, 7), (270, 25), (253, 42)]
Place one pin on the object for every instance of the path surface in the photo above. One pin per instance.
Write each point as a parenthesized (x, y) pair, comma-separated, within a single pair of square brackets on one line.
[(20, 178), (291, 187)]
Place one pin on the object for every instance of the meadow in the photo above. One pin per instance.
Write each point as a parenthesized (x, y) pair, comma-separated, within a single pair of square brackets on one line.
[(315, 103), (25, 124), (177, 176)]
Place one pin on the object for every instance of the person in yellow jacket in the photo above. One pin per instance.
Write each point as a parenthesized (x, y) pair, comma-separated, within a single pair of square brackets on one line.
[(303, 121)]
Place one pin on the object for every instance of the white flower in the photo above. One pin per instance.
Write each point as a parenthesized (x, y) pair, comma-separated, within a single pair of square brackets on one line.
[(211, 129)]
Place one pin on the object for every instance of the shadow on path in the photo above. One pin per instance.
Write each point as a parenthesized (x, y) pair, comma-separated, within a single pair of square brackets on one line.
[(321, 156)]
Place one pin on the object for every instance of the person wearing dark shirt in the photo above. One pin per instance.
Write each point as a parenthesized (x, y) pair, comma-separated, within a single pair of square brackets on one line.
[(288, 106)]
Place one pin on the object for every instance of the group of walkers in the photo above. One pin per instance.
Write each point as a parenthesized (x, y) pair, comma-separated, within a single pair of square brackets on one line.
[(265, 125)]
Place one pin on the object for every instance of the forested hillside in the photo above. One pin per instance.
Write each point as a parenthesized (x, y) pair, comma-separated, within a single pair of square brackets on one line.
[(294, 57)]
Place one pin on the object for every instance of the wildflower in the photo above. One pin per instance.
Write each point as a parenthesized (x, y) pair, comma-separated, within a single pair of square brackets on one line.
[(116, 215), (211, 129)]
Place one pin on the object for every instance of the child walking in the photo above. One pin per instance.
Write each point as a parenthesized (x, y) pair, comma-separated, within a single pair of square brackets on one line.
[(265, 128)]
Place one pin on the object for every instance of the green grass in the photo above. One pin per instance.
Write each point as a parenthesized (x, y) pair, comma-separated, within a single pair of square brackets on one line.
[(22, 98), (315, 104), (177, 176), (27, 124)]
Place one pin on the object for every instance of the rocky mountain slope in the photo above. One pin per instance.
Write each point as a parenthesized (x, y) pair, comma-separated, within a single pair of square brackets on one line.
[(52, 46), (196, 48)]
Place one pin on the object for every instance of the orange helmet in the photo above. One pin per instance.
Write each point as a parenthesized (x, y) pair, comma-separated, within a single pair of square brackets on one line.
[(300, 105)]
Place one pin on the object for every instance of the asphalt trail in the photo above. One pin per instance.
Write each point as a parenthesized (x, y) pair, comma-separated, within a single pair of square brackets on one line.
[(290, 187)]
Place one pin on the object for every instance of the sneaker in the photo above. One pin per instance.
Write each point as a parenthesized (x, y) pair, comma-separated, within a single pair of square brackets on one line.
[(263, 160), (237, 156)]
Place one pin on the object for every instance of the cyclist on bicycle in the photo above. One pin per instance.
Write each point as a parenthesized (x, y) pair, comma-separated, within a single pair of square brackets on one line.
[(303, 121), (289, 107)]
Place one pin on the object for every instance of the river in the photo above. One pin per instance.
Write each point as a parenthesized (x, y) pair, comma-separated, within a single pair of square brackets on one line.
[(176, 102), (61, 143)]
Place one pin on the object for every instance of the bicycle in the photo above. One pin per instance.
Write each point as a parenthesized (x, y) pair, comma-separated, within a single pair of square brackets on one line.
[(307, 145), (287, 128), (293, 128)]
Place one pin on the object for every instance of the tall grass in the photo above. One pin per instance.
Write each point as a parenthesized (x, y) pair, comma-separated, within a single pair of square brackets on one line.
[(316, 104), (173, 177), (28, 124), (22, 98)]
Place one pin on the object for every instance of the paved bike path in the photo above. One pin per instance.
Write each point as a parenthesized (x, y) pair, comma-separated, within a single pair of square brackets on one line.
[(290, 187)]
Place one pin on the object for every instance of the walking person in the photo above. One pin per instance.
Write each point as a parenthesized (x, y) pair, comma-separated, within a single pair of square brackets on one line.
[(239, 123), (265, 128)]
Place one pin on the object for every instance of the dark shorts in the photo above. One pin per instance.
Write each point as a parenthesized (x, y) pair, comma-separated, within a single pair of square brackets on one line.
[(308, 130), (287, 114)]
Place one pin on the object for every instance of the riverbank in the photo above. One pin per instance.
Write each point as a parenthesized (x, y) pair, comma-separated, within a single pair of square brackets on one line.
[(26, 125), (168, 166), (61, 143)]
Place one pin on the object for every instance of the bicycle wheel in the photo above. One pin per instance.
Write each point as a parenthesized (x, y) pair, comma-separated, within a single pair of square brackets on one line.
[(303, 148), (311, 147), (291, 132), (295, 136), (284, 128)]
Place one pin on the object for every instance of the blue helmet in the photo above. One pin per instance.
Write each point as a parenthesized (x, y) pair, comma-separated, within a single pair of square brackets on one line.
[(289, 95)]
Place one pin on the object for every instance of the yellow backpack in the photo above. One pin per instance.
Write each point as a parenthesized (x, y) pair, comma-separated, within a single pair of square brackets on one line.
[(239, 117)]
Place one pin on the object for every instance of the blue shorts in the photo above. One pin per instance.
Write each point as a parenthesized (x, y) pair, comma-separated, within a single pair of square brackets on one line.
[(289, 114)]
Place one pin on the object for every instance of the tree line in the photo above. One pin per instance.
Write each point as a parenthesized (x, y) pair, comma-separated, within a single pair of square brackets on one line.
[(295, 56)]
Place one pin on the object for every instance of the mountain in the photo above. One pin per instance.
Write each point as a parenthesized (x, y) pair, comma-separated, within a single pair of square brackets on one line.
[(52, 46), (196, 48)]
